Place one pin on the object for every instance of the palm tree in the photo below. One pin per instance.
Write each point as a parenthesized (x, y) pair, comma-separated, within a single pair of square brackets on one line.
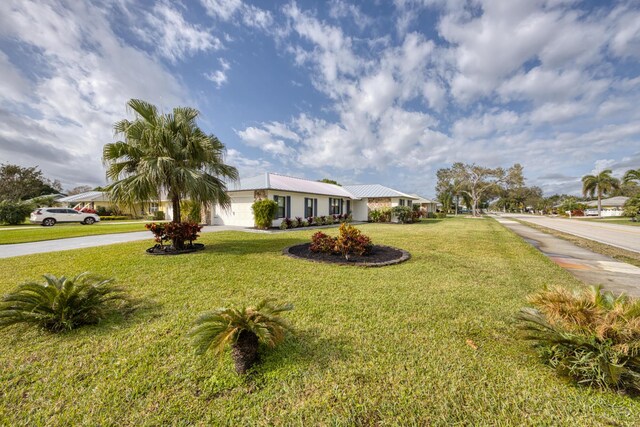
[(631, 175), (243, 329), (166, 152), (600, 184)]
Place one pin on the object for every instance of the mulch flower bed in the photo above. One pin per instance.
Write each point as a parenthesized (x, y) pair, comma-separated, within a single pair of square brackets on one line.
[(380, 256), (169, 250)]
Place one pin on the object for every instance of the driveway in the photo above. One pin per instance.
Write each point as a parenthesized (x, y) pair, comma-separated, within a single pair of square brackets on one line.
[(621, 236), (18, 249)]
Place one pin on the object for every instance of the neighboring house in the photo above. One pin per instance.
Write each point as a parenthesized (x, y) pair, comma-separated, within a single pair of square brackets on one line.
[(296, 197), (426, 205), (612, 206), (376, 196), (98, 199)]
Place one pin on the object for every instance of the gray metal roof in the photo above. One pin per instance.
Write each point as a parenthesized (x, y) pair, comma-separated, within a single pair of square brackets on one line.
[(89, 196), (421, 199), (273, 181), (614, 202), (376, 190)]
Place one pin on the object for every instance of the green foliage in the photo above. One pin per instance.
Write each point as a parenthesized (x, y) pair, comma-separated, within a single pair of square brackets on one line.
[(589, 335), (166, 151), (174, 231), (380, 215), (351, 241), (14, 213), (329, 181), (192, 210), (571, 204), (403, 213), (631, 175), (224, 327), (61, 303), (321, 242), (20, 183), (264, 212), (114, 218), (441, 215), (632, 207), (160, 216)]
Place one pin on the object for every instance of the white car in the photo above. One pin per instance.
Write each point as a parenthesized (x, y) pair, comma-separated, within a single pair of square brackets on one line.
[(49, 216)]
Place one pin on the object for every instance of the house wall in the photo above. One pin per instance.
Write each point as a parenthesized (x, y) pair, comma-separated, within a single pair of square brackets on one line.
[(360, 210), (297, 204), (239, 213)]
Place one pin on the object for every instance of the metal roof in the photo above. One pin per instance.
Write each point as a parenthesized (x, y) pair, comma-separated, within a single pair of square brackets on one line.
[(610, 202), (423, 199), (273, 181), (375, 190), (89, 196)]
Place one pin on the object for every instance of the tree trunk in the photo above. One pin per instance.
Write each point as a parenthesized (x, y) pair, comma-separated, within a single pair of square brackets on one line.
[(245, 351), (599, 203), (176, 242), (457, 201)]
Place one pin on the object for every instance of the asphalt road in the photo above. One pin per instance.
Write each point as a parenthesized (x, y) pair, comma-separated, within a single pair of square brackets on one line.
[(621, 236)]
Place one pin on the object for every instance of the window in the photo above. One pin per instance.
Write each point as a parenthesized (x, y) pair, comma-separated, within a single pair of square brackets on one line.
[(153, 207), (401, 202), (282, 206), (309, 206), (335, 206), (409, 203)]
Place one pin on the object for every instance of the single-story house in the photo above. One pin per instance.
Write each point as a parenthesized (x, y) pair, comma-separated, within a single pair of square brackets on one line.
[(98, 199), (296, 197), (376, 196), (426, 205), (612, 206)]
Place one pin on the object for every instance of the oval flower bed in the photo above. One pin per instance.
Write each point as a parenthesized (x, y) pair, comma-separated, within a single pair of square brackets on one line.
[(180, 233), (351, 247)]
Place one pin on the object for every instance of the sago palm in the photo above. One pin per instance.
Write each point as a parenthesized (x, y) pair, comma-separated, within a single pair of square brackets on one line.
[(244, 329), (600, 184), (631, 175), (166, 152), (62, 303)]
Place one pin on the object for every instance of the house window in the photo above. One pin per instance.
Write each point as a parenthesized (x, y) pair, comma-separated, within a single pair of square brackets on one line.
[(282, 206), (335, 206), (308, 206), (409, 203), (153, 207), (401, 202)]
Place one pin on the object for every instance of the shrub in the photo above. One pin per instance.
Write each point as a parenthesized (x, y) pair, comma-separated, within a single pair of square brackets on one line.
[(441, 215), (321, 242), (310, 221), (114, 218), (351, 241), (577, 212), (177, 232), (403, 213), (159, 231), (243, 329), (321, 220), (14, 213), (103, 211), (286, 224), (264, 212), (328, 220), (380, 215), (632, 207), (432, 215), (589, 335), (299, 221), (159, 216), (61, 303)]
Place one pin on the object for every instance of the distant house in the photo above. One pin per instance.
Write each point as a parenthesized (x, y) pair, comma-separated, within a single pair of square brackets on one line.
[(612, 206), (296, 197), (101, 199), (426, 205), (376, 196)]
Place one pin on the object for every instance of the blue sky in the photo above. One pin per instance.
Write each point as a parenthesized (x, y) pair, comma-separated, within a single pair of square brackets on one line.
[(363, 92)]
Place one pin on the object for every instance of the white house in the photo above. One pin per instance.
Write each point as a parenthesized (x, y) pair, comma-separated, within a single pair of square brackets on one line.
[(613, 206), (376, 196), (426, 205), (296, 197)]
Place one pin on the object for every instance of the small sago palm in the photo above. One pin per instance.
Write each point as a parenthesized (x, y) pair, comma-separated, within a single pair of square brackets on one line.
[(244, 329), (62, 303), (600, 184)]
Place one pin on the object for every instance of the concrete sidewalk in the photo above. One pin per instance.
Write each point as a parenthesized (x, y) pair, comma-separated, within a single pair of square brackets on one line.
[(587, 266), (19, 249)]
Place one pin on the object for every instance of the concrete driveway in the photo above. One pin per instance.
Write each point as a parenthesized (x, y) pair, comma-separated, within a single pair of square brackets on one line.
[(18, 249), (621, 236)]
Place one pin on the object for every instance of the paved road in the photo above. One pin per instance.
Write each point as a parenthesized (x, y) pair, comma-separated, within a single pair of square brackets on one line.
[(587, 266), (621, 236), (18, 249)]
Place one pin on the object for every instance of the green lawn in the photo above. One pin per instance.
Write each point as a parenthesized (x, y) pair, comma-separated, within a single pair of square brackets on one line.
[(23, 234), (614, 220), (383, 346)]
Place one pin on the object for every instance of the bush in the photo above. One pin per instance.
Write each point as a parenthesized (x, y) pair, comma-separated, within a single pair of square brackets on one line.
[(431, 215), (632, 207), (311, 221), (380, 215), (178, 232), (61, 303), (264, 212), (328, 220), (351, 241), (589, 335), (577, 212), (441, 215), (286, 224), (320, 220), (243, 329), (14, 213), (103, 211), (159, 216), (114, 218), (403, 213), (321, 242), (192, 210)]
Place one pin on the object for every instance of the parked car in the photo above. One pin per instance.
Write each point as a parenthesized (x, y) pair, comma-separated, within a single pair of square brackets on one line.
[(50, 216)]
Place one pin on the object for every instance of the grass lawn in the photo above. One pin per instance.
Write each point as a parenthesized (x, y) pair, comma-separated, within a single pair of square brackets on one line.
[(387, 346), (24, 234), (613, 220)]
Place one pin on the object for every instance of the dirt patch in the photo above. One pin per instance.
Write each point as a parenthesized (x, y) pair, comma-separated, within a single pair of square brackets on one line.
[(380, 256)]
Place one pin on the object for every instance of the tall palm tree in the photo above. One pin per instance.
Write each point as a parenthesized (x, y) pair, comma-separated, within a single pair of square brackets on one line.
[(631, 175), (600, 184), (166, 152)]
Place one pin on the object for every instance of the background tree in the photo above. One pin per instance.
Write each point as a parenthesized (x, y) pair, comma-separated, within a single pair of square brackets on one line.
[(631, 175), (21, 183), (600, 184), (79, 190), (166, 152), (329, 181)]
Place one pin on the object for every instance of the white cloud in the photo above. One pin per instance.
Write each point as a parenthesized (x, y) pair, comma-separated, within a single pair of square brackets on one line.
[(264, 140), (173, 37), (219, 77), (228, 10)]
